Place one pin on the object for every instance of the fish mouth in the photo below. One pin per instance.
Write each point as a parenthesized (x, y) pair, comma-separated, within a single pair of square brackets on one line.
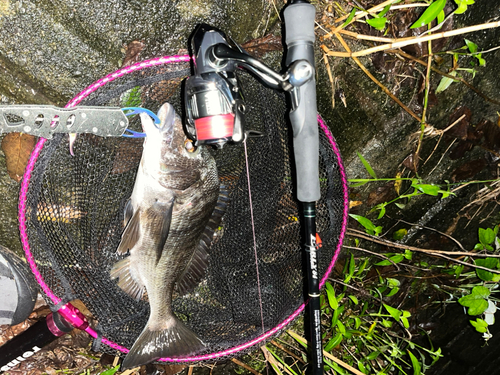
[(166, 114)]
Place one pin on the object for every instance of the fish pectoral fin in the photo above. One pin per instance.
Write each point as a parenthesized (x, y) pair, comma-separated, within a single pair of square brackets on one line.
[(195, 270), (127, 282), (157, 220), (128, 212), (177, 340), (131, 234)]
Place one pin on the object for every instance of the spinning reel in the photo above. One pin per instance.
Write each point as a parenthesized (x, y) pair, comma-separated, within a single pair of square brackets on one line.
[(214, 101)]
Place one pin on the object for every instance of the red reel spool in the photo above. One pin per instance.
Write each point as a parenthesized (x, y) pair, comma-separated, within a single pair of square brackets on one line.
[(214, 127)]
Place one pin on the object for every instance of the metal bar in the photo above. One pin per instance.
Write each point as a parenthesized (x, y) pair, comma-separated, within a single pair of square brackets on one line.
[(44, 121)]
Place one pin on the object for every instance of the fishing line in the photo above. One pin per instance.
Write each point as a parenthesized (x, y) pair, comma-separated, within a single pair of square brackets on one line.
[(253, 233)]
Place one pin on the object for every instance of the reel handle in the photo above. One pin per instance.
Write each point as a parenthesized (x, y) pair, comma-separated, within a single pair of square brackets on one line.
[(299, 38)]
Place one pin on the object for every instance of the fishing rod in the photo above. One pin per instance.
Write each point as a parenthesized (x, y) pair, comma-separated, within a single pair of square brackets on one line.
[(215, 115)]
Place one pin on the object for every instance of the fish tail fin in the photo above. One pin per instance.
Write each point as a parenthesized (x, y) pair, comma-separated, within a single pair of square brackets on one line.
[(177, 340)]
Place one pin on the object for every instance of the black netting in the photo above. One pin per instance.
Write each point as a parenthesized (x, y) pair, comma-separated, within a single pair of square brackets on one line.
[(75, 215)]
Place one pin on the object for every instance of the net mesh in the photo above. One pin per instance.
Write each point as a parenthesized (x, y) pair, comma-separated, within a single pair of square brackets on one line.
[(74, 216)]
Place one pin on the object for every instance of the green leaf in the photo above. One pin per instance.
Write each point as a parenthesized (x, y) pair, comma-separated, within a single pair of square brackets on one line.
[(480, 325), (386, 323), (445, 83), (462, 5), (334, 342), (476, 300), (349, 19), (382, 211), (486, 236), (440, 17), (430, 14), (341, 327), (367, 165), (335, 317), (357, 323), (373, 355), (362, 367), (352, 265), (471, 45), (491, 263), (415, 363), (330, 292), (399, 234), (479, 246), (111, 371), (354, 299), (362, 267), (392, 292), (367, 224), (393, 283), (395, 313), (384, 11), (395, 259), (458, 270), (377, 23), (482, 62), (427, 189)]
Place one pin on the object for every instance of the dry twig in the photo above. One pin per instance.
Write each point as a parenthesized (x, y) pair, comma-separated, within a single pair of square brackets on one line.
[(398, 43), (299, 338), (437, 253), (444, 74), (385, 89), (245, 366)]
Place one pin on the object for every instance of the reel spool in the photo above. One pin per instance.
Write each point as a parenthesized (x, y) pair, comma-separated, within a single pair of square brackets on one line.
[(71, 215)]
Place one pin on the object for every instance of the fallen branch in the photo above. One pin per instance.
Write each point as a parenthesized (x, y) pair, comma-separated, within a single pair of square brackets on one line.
[(437, 253), (406, 42)]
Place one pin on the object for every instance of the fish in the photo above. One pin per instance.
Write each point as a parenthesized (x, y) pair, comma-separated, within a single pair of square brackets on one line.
[(174, 197)]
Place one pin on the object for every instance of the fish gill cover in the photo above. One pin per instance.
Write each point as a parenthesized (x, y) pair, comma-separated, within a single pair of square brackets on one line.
[(74, 222)]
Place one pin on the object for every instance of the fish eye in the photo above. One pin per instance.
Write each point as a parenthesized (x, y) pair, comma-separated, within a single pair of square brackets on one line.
[(189, 145)]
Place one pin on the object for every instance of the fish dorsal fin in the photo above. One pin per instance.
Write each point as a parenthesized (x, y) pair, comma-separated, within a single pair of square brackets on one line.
[(157, 219), (127, 282), (131, 234), (195, 270)]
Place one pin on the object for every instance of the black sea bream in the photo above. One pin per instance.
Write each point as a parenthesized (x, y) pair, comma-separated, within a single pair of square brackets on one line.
[(175, 192)]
